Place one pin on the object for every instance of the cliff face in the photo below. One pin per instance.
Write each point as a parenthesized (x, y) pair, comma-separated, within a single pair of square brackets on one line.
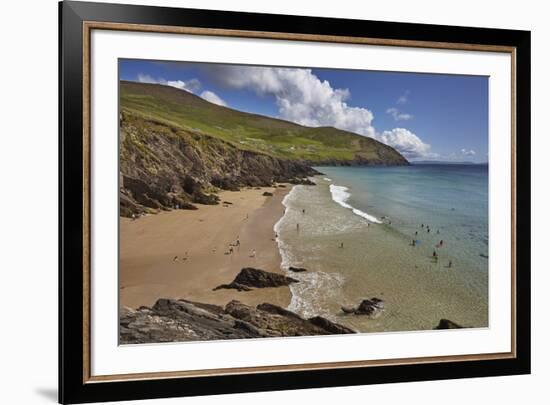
[(164, 167)]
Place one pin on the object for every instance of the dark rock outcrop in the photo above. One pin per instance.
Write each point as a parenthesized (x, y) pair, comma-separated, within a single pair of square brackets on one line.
[(303, 182), (371, 307), (297, 269), (232, 286), (447, 324), (251, 277), (261, 279), (330, 326), (182, 320), (267, 194)]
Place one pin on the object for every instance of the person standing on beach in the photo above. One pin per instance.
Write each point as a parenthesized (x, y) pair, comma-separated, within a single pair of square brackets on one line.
[(297, 227)]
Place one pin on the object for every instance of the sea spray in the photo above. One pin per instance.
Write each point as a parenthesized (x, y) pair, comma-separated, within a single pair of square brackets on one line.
[(340, 195)]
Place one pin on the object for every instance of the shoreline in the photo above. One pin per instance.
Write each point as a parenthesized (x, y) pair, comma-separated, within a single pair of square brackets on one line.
[(351, 259), (185, 253)]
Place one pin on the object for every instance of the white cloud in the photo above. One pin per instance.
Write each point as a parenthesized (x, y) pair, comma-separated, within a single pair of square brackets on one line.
[(467, 152), (404, 98), (190, 85), (406, 143), (213, 98), (397, 115), (301, 96)]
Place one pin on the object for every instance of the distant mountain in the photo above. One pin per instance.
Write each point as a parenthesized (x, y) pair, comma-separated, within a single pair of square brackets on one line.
[(444, 162), (176, 148)]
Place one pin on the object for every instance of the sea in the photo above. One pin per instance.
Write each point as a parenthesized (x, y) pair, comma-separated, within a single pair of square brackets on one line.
[(415, 236)]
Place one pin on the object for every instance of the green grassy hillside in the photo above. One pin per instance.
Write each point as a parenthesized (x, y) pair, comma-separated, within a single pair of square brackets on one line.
[(249, 132)]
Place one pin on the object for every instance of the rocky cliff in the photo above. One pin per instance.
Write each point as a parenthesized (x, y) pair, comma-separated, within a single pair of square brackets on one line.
[(163, 167), (181, 320)]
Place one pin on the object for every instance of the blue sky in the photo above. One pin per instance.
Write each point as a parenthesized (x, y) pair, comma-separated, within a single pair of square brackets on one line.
[(424, 116)]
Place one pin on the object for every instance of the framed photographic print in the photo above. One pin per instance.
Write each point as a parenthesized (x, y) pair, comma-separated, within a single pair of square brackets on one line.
[(256, 202)]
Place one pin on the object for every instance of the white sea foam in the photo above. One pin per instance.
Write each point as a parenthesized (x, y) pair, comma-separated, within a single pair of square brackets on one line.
[(327, 179), (315, 289), (283, 250), (340, 195)]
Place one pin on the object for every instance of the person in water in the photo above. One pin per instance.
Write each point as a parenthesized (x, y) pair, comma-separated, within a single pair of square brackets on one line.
[(416, 233), (342, 245), (413, 242), (434, 255), (441, 243), (450, 264)]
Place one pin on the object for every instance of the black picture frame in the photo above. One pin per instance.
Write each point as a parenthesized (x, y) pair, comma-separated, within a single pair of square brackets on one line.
[(73, 387)]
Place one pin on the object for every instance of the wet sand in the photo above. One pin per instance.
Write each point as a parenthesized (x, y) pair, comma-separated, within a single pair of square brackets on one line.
[(200, 239)]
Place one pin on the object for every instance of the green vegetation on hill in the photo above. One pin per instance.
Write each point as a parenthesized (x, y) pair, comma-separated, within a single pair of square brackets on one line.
[(249, 132)]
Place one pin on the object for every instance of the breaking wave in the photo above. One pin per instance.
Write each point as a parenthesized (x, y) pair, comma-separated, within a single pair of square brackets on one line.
[(340, 195)]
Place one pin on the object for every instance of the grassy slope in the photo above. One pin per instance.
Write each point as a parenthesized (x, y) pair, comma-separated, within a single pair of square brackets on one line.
[(248, 131)]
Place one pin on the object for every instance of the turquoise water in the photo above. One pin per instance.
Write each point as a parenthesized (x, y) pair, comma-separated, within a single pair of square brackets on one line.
[(375, 213), (451, 199)]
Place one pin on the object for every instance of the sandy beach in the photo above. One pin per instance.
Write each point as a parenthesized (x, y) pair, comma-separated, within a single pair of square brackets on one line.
[(201, 241)]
